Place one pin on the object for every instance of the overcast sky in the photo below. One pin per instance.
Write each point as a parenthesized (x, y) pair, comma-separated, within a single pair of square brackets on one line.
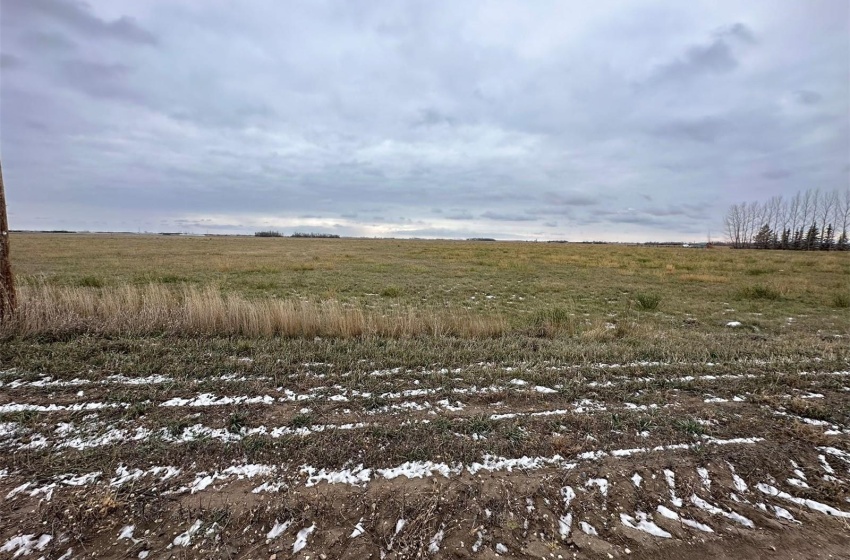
[(611, 120)]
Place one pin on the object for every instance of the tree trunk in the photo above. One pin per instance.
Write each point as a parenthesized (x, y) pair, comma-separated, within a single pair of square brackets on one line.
[(8, 297)]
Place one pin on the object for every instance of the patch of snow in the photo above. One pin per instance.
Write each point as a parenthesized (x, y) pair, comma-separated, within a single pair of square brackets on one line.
[(670, 514), (16, 407), (268, 487), (278, 529), (568, 494), (645, 524), (501, 549), (601, 483), (25, 544), (811, 504), (185, 539), (703, 474), (565, 524), (208, 399), (588, 529), (545, 390), (301, 538), (670, 476), (843, 455), (783, 513), (127, 533), (491, 463), (636, 480), (419, 469), (18, 489), (733, 324), (736, 517), (79, 480), (436, 540), (479, 541), (798, 483), (358, 530)]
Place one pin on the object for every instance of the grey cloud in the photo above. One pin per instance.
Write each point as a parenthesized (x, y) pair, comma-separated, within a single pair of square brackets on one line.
[(431, 117), (507, 217), (48, 41), (570, 199), (714, 57), (775, 174), (736, 31), (98, 79), (9, 60), (806, 97), (459, 216), (78, 16), (706, 129), (693, 211)]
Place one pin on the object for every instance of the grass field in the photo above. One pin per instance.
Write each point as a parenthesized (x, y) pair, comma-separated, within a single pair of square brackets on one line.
[(248, 397)]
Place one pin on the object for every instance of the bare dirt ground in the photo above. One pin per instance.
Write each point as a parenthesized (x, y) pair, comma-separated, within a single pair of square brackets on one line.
[(521, 460)]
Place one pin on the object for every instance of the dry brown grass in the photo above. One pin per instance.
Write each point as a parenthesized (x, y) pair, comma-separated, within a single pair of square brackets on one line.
[(132, 310), (710, 278)]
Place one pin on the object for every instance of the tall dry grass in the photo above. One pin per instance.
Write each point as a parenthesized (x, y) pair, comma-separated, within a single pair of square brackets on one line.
[(132, 310)]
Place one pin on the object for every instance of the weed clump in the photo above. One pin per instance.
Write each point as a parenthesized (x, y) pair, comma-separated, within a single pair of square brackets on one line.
[(391, 292), (554, 320), (648, 302), (301, 421), (759, 291), (480, 424), (235, 423), (690, 426), (841, 300), (90, 282)]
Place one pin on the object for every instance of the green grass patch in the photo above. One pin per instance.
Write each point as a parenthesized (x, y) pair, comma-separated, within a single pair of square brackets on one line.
[(89, 282), (760, 292), (647, 301)]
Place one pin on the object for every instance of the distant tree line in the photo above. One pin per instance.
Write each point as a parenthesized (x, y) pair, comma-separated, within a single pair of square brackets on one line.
[(316, 235), (812, 220), (272, 233)]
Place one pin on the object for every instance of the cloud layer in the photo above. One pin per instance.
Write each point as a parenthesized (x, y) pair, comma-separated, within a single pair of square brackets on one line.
[(545, 120)]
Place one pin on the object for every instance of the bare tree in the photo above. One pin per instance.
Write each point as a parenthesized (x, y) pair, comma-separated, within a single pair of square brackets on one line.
[(844, 210), (8, 297), (806, 209), (794, 212), (828, 204), (809, 220), (734, 225)]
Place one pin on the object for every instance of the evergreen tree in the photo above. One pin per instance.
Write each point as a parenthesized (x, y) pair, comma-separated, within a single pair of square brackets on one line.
[(798, 240), (774, 240), (762, 239), (843, 244), (827, 241), (812, 240), (785, 242)]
